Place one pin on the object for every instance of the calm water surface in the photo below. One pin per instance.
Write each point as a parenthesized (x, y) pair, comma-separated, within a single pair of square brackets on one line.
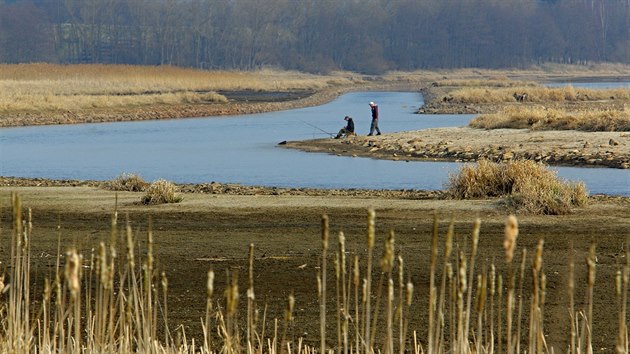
[(243, 149)]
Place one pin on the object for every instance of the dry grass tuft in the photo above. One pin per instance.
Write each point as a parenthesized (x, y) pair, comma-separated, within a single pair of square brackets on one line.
[(527, 185), (127, 182), (540, 118), (161, 192)]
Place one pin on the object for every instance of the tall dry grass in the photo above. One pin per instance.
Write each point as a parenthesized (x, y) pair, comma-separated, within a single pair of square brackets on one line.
[(536, 94), (540, 118), (41, 87), (112, 301), (526, 185)]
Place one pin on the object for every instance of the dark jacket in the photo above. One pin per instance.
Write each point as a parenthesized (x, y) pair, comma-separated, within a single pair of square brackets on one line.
[(374, 112), (350, 125)]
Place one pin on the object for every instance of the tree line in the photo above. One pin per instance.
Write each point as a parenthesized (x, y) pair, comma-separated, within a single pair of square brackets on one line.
[(368, 36)]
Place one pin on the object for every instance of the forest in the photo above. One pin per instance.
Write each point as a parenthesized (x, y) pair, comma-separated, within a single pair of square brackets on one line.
[(368, 36)]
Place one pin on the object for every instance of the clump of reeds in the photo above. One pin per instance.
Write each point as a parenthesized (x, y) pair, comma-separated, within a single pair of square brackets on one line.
[(526, 185), (541, 118), (129, 182), (161, 192)]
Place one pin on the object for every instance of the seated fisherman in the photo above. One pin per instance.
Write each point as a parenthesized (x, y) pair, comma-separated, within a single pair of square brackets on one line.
[(348, 129)]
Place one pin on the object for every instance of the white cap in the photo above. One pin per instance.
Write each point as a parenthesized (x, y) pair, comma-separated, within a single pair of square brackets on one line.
[(371, 103)]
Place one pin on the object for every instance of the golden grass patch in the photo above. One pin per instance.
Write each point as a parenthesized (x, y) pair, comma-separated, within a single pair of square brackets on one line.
[(541, 118), (527, 186), (45, 87), (536, 94)]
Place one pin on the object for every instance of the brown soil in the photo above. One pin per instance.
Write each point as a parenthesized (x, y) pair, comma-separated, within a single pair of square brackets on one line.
[(214, 230)]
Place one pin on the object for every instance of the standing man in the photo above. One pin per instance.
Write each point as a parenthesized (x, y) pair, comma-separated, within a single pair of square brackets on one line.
[(374, 126)]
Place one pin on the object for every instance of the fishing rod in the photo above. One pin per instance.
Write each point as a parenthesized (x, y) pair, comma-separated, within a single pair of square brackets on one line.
[(316, 127)]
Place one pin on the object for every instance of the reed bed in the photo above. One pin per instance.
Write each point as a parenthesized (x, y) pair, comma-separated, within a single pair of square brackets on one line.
[(117, 301), (37, 87), (493, 82), (535, 94), (526, 185), (541, 118)]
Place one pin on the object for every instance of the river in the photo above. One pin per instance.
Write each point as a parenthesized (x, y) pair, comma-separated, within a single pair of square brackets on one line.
[(243, 149)]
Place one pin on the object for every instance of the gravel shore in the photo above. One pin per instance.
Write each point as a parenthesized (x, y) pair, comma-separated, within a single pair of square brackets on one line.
[(562, 148)]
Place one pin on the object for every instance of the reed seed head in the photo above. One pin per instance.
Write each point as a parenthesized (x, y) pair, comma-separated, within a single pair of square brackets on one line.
[(290, 307), (461, 281), (448, 248), (511, 232), (387, 262), (73, 265), (371, 228), (538, 258), (325, 232), (409, 293), (590, 262), (164, 282), (210, 284)]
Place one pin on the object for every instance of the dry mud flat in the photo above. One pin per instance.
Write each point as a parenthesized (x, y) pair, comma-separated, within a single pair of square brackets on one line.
[(567, 147), (207, 231)]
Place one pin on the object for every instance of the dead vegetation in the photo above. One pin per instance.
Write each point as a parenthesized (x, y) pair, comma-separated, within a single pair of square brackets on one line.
[(542, 118), (526, 186)]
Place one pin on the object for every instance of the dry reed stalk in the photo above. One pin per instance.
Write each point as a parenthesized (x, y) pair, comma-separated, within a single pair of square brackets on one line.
[(509, 245), (251, 297), (164, 284), (387, 264), (535, 312), (288, 321), (591, 261), (519, 317), (356, 281), (622, 341), (322, 282), (368, 283), (482, 283), (471, 271), (572, 314), (408, 302), (400, 309), (209, 297), (462, 288), (493, 290), (345, 303), (432, 290), (437, 339)]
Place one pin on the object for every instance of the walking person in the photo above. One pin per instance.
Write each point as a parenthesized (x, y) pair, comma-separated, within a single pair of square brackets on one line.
[(348, 129), (374, 125)]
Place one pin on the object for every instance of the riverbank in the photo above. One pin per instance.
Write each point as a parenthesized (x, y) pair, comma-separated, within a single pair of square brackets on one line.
[(464, 144), (44, 94)]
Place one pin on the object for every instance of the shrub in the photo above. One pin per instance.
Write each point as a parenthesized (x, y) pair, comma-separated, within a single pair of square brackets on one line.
[(527, 185), (128, 182), (160, 192)]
